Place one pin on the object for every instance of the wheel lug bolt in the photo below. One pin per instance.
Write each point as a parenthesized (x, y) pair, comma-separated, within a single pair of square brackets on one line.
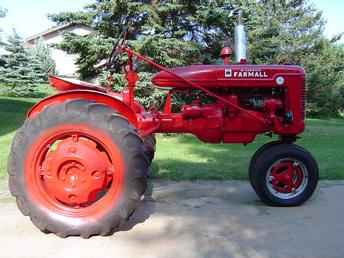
[(72, 197), (72, 149)]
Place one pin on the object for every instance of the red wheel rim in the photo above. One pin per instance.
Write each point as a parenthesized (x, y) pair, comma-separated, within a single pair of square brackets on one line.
[(287, 178), (74, 170)]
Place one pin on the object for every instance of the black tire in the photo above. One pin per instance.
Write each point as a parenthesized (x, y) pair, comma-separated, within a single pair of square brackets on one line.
[(149, 143), (253, 161), (121, 133), (278, 152)]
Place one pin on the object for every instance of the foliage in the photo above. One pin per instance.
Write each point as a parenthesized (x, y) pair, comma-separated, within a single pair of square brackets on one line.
[(168, 29), (70, 17), (182, 32), (21, 71), (284, 31), (92, 50), (325, 77), (147, 95), (2, 15), (41, 54)]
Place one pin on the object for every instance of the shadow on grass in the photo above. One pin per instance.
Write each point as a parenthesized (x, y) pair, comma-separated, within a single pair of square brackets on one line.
[(193, 159), (183, 157), (12, 113)]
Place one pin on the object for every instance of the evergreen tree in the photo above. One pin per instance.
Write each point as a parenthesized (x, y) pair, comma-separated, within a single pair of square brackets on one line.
[(19, 72), (283, 31), (2, 15), (42, 61), (179, 32), (165, 33)]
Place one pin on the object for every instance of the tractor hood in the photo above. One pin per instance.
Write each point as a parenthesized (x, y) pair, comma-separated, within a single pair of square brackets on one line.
[(221, 76)]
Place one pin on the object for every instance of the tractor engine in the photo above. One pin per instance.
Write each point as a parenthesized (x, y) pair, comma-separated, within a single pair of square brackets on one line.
[(270, 100)]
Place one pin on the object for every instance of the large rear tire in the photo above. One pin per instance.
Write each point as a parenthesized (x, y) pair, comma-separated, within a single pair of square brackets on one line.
[(77, 169), (149, 143)]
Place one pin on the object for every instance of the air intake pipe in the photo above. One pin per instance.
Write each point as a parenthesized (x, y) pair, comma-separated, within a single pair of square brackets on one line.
[(240, 40)]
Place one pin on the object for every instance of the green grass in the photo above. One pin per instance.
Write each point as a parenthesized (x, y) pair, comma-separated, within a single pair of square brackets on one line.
[(12, 115), (41, 91), (183, 157)]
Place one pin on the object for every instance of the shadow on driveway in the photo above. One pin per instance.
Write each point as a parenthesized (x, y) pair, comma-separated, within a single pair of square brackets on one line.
[(197, 219)]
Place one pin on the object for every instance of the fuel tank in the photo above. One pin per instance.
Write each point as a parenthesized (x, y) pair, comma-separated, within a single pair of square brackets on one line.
[(222, 76)]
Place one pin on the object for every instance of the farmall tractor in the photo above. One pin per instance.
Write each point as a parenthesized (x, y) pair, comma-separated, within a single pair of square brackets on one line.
[(79, 164)]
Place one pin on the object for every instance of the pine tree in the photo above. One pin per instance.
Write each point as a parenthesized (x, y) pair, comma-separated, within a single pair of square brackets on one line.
[(179, 32), (279, 31), (283, 31), (2, 15), (18, 74), (42, 61), (168, 29)]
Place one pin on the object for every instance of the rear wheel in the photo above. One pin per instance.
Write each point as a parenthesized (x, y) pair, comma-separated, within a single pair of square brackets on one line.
[(149, 143), (284, 175), (77, 168)]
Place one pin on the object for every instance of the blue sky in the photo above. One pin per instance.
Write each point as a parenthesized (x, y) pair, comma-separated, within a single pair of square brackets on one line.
[(29, 16)]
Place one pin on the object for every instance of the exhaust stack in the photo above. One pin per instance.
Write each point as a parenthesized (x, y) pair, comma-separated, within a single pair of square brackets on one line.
[(240, 40)]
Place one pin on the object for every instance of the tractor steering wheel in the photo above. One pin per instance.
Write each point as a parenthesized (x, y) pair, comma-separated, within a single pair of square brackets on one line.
[(113, 61), (126, 23)]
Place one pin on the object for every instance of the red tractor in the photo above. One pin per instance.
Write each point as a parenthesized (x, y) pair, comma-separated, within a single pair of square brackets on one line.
[(79, 164)]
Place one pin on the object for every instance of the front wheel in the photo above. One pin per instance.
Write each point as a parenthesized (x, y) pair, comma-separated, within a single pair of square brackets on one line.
[(77, 169), (254, 158), (284, 175)]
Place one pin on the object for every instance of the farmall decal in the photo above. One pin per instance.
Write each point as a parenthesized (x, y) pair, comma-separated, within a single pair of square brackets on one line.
[(245, 73)]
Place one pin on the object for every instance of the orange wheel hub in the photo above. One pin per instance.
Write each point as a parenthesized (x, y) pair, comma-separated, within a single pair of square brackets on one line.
[(75, 172)]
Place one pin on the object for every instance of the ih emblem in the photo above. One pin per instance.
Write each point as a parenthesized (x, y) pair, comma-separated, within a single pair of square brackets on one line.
[(249, 73)]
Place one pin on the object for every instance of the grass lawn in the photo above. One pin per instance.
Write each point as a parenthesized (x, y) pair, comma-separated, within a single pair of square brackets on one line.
[(183, 157), (12, 114)]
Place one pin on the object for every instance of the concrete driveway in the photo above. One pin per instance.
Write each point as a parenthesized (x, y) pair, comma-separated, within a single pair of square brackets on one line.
[(194, 220)]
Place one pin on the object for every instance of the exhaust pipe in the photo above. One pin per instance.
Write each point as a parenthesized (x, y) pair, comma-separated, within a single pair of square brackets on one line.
[(240, 40)]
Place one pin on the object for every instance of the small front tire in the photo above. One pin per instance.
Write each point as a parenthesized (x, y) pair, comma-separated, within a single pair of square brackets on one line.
[(256, 155), (284, 175)]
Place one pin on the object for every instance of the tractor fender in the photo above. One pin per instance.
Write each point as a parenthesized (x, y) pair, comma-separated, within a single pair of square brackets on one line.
[(112, 101)]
